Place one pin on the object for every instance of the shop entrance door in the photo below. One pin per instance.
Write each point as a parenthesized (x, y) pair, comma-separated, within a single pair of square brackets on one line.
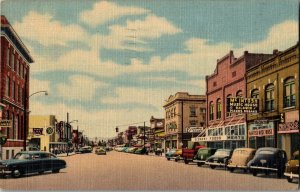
[(260, 142), (294, 142)]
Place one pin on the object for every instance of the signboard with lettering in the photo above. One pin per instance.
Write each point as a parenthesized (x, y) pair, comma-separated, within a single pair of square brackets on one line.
[(5, 123), (50, 130), (195, 129), (242, 105), (289, 127), (261, 132), (37, 131)]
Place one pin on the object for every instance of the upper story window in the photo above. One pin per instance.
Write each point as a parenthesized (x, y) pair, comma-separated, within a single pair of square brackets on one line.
[(13, 90), (12, 61), (289, 92), (193, 123), (8, 57), (211, 111), (239, 93), (192, 111), (233, 73), (18, 66), (255, 93), (202, 110), (219, 108), (7, 87), (227, 113), (215, 84), (269, 98)]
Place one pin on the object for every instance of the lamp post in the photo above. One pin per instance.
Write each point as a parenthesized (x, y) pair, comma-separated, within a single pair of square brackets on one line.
[(26, 99)]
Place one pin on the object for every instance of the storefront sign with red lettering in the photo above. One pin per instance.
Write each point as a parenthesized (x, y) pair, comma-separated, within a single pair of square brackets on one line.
[(289, 127), (261, 132)]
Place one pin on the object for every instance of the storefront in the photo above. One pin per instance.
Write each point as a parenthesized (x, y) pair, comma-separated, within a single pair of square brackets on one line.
[(171, 141), (288, 133), (261, 134)]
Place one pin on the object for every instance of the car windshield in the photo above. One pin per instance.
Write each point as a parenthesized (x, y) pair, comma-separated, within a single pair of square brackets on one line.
[(222, 152), (22, 156)]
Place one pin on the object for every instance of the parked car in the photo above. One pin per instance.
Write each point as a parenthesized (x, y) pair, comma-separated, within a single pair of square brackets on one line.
[(268, 160), (31, 162), (178, 155), (169, 155), (132, 149), (141, 151), (202, 155), (189, 153), (220, 158), (240, 159), (86, 149), (124, 149), (292, 167), (100, 151)]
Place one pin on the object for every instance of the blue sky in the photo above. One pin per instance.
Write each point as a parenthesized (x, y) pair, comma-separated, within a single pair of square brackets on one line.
[(111, 63)]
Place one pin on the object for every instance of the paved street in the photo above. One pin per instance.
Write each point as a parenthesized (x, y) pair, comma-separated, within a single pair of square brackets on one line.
[(122, 171)]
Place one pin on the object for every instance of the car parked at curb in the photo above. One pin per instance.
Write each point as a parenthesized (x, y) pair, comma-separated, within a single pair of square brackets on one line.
[(140, 151), (268, 159), (31, 162), (170, 154), (202, 155), (178, 155), (240, 159), (292, 167), (219, 159), (100, 151), (85, 149)]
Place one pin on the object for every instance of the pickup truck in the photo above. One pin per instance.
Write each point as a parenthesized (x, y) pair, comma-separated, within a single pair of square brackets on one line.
[(189, 153)]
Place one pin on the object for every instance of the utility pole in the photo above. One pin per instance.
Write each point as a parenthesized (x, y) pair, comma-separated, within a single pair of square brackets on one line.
[(67, 134), (144, 134)]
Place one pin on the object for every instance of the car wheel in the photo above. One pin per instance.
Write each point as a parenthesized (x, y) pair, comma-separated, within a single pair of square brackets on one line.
[(186, 161), (267, 172), (289, 179), (16, 173), (176, 160), (199, 164), (41, 172), (279, 175), (245, 170), (213, 166), (231, 169), (168, 159), (55, 171), (254, 172)]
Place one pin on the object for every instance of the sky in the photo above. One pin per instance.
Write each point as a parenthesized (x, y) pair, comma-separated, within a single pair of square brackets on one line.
[(112, 63)]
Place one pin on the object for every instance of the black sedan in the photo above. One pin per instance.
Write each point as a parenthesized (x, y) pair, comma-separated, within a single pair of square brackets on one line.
[(220, 158), (31, 162), (268, 159)]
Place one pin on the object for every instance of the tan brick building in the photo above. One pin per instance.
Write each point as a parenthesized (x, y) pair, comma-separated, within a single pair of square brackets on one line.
[(182, 112), (275, 83)]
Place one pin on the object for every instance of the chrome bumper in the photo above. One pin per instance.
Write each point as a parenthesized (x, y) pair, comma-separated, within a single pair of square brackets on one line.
[(237, 166), (263, 168), (5, 172), (198, 161), (291, 175), (217, 164)]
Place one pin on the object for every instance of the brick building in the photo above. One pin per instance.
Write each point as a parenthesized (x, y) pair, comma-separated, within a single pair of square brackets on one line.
[(228, 130), (158, 127), (183, 112), (14, 87), (275, 83)]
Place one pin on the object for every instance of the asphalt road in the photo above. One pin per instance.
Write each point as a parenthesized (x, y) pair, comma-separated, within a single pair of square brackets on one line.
[(121, 171)]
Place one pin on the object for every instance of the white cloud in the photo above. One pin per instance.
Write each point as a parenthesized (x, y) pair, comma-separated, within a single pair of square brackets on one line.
[(38, 85), (104, 11), (45, 30), (79, 88)]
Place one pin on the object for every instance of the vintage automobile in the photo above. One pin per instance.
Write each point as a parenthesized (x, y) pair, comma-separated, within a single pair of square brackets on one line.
[(140, 151), (268, 159), (31, 162), (220, 158), (178, 155), (100, 151), (86, 149), (132, 149), (189, 153), (240, 159), (170, 154), (292, 167), (202, 155), (124, 149)]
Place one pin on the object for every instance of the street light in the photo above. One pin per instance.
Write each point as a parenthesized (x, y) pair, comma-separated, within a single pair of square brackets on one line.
[(26, 111)]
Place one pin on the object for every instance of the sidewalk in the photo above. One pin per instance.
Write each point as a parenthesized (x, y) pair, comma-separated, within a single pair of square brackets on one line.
[(153, 154)]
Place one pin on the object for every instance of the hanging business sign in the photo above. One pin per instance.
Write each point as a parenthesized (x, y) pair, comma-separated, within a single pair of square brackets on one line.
[(5, 123), (195, 129), (242, 105), (50, 130), (37, 131)]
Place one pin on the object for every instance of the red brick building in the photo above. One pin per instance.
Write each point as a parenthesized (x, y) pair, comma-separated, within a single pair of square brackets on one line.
[(228, 130), (14, 87)]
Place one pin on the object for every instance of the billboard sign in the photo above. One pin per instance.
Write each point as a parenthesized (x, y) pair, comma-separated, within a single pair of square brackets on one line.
[(242, 105)]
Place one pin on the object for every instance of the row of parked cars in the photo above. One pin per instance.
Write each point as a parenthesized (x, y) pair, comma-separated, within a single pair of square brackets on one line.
[(263, 160), (135, 150)]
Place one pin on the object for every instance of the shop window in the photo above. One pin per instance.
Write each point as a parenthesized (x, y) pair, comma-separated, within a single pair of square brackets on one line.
[(219, 109), (211, 111), (12, 153), (269, 141), (269, 98), (289, 93), (227, 113)]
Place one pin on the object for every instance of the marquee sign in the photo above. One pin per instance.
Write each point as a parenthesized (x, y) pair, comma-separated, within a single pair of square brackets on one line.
[(242, 105)]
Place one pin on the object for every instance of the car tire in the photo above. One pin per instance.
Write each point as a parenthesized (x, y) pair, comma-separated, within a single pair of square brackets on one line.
[(267, 172), (290, 180), (168, 159), (186, 161), (199, 164), (16, 173), (254, 172), (279, 175), (55, 170), (231, 169), (245, 170), (176, 160), (212, 166), (41, 172)]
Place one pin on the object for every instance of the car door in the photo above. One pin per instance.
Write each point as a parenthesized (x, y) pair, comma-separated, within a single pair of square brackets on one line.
[(45, 162), (36, 163)]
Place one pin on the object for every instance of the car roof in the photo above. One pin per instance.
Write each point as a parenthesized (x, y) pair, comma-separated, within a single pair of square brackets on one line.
[(269, 149), (245, 149)]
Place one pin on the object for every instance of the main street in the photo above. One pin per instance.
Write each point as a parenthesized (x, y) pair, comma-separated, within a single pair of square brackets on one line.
[(122, 171)]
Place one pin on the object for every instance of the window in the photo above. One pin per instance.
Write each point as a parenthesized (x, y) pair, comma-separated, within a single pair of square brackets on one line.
[(7, 57), (239, 93), (227, 113), (17, 66), (21, 70), (7, 87), (192, 112), (269, 98), (289, 93), (12, 61), (193, 123), (19, 93), (219, 109), (255, 93), (211, 111), (215, 84), (13, 90), (234, 74), (202, 110)]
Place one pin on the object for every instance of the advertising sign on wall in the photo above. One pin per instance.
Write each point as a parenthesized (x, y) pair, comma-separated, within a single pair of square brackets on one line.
[(242, 105)]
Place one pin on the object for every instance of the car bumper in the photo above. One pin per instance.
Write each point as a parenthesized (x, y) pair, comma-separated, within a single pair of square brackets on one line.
[(291, 175), (217, 164), (5, 172), (263, 168), (237, 166), (198, 161)]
